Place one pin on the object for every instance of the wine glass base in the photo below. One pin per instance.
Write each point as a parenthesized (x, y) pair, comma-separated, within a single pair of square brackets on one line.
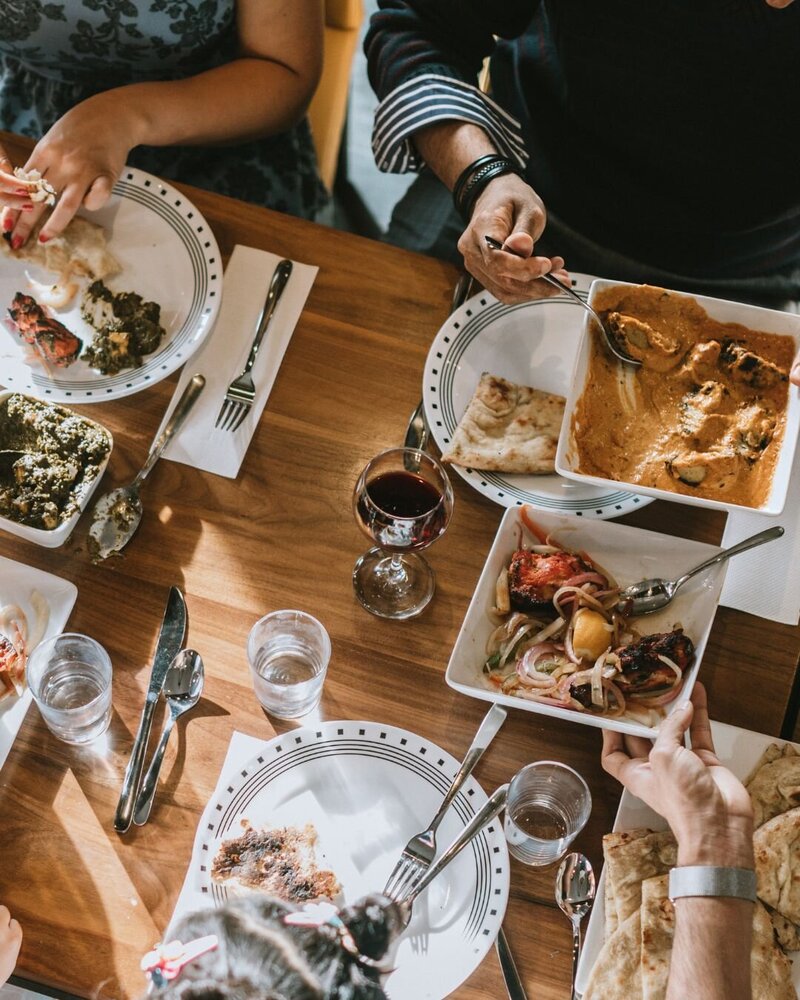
[(388, 586)]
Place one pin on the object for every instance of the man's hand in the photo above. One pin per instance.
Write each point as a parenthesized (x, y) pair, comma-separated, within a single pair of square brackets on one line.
[(706, 806), (10, 942), (512, 213)]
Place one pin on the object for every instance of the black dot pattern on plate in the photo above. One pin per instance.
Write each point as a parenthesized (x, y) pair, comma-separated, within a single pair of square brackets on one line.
[(298, 739)]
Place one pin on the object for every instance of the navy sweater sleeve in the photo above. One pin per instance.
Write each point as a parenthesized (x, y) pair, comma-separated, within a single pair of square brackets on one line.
[(424, 57)]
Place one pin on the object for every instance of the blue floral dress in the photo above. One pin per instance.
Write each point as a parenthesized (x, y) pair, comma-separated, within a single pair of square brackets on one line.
[(54, 55)]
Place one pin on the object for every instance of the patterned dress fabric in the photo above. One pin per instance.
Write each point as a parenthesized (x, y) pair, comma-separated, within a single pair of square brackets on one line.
[(54, 55)]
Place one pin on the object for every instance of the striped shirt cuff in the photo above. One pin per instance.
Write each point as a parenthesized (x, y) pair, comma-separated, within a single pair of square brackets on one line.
[(431, 98)]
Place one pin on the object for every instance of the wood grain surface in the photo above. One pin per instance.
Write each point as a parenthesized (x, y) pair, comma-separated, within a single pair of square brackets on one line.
[(282, 536)]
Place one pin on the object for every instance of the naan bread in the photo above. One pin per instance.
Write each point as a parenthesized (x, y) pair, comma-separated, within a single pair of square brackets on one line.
[(787, 933), (611, 840), (658, 930), (617, 973), (631, 861), (774, 784), (770, 969), (508, 428), (79, 250), (777, 850)]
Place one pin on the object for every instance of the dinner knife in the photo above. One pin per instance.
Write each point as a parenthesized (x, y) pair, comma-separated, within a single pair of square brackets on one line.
[(170, 641), (516, 991)]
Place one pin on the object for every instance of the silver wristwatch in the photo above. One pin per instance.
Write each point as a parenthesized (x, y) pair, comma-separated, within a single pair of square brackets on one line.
[(709, 880)]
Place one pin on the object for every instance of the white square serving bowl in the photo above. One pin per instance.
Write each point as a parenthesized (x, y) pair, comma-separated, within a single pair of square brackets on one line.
[(54, 537), (754, 317), (629, 555)]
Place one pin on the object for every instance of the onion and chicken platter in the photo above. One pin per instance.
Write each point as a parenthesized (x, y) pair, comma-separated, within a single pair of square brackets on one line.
[(560, 639), (547, 632)]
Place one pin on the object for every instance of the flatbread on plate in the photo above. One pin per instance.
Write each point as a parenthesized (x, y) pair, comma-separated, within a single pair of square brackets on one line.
[(617, 973), (630, 862), (508, 428), (774, 784), (777, 850)]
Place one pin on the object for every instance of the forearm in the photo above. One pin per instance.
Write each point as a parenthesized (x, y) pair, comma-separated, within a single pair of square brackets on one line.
[(208, 109), (449, 147), (711, 949)]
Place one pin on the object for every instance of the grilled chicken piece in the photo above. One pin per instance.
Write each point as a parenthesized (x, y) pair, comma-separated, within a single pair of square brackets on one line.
[(752, 429), (533, 577), (702, 362), (714, 470), (750, 368), (654, 349), (51, 339)]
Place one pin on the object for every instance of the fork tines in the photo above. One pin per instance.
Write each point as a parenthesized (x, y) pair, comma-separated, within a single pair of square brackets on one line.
[(233, 410)]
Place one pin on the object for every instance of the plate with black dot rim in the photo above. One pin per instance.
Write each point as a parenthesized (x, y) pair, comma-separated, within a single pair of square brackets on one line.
[(367, 788), (168, 254), (532, 344)]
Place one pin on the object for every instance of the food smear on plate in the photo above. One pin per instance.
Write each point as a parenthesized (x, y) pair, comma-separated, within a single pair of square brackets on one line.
[(508, 428), (50, 339), (127, 326), (560, 640), (704, 415), (17, 641), (280, 861), (61, 454)]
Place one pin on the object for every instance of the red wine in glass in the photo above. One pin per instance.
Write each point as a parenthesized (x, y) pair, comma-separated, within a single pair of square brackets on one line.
[(401, 510)]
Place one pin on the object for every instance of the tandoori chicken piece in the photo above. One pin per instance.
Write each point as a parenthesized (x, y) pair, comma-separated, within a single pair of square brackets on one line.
[(750, 368), (49, 338), (533, 577)]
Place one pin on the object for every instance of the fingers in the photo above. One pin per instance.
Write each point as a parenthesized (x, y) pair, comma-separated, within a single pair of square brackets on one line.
[(99, 192), (795, 373), (702, 738), (616, 760), (672, 729), (24, 225)]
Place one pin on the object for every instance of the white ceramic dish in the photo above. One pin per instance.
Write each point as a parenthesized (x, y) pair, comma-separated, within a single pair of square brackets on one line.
[(168, 255), (629, 554), (57, 536), (533, 344), (17, 583), (367, 788), (738, 749), (754, 317)]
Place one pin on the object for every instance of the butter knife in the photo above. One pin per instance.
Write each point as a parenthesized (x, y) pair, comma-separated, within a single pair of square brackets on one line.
[(170, 641), (516, 991)]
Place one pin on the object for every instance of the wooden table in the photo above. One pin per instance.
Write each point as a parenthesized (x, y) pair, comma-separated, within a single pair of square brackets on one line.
[(282, 535)]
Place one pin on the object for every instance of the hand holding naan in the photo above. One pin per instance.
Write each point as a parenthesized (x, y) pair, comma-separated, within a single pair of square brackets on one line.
[(706, 806)]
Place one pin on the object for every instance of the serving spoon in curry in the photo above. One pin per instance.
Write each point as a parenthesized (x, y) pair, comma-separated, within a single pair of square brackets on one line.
[(651, 595), (117, 514), (611, 340)]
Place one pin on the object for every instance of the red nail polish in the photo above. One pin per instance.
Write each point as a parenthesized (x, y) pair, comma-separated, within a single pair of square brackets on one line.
[(43, 237), (22, 192), (17, 242), (27, 207), (8, 224)]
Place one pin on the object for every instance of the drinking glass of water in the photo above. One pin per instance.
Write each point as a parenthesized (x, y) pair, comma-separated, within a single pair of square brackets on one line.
[(547, 807), (288, 652), (70, 680)]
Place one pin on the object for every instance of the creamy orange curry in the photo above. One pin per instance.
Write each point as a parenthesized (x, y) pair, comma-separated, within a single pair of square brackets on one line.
[(703, 416)]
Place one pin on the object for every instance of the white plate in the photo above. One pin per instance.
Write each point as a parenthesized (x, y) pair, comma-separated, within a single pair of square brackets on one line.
[(367, 788), (17, 583), (738, 749), (168, 255), (532, 344), (629, 554), (754, 317)]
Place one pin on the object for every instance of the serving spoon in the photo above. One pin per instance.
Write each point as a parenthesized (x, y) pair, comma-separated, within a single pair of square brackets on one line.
[(611, 340), (117, 514), (575, 889), (651, 595)]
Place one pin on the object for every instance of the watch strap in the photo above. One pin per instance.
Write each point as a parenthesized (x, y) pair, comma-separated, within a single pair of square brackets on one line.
[(710, 880)]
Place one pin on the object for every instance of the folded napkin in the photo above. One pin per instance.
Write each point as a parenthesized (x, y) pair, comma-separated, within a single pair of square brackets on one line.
[(240, 750), (766, 580), (223, 356)]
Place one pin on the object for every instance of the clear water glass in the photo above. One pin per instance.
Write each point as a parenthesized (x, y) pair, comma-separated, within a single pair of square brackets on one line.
[(547, 807), (288, 652), (70, 680)]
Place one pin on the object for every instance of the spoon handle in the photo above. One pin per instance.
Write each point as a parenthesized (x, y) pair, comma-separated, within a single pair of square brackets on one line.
[(193, 389), (576, 953), (144, 802), (734, 550)]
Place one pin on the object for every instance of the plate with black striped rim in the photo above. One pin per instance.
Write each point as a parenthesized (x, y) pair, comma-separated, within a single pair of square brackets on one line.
[(533, 344), (167, 254), (367, 788)]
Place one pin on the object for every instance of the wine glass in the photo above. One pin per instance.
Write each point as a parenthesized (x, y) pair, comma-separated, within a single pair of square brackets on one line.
[(403, 501)]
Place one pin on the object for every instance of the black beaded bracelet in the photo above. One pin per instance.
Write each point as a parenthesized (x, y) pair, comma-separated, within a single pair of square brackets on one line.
[(475, 178)]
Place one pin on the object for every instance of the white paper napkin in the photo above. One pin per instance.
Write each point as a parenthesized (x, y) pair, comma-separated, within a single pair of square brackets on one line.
[(766, 581), (223, 356), (240, 750)]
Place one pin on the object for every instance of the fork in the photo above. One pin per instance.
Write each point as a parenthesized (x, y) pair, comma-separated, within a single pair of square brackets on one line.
[(419, 852), (242, 391)]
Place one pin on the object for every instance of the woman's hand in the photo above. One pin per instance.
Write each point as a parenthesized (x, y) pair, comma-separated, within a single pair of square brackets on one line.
[(512, 213), (14, 193), (81, 156), (795, 373), (706, 806), (10, 942)]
